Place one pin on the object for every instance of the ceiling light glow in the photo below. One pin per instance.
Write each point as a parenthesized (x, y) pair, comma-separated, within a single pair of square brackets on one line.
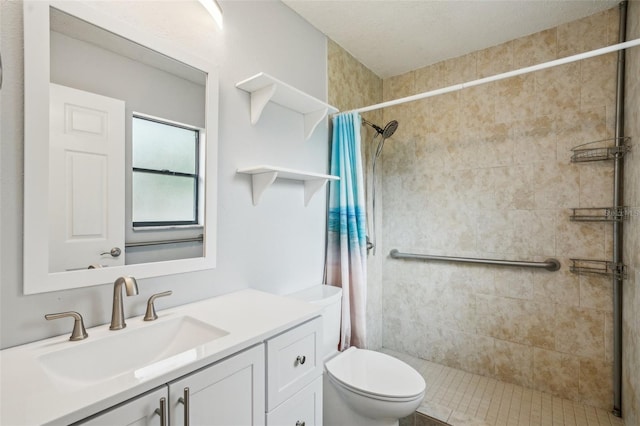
[(213, 7)]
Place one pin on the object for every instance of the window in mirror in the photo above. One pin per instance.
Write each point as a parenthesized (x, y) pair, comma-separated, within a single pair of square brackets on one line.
[(166, 158)]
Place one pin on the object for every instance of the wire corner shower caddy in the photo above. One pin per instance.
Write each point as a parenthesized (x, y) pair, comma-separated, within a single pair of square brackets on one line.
[(605, 149), (613, 149)]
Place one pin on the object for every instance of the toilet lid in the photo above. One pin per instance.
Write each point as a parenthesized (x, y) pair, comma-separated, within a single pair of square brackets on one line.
[(375, 373)]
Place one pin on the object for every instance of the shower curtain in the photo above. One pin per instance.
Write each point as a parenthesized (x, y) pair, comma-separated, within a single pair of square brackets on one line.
[(346, 264)]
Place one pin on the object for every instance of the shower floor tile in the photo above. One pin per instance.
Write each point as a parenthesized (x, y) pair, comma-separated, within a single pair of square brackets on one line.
[(455, 397)]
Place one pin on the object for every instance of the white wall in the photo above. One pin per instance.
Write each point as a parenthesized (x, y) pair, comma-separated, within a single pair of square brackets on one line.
[(277, 246), (144, 88)]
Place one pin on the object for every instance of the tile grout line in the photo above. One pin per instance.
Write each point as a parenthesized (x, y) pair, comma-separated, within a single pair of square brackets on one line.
[(483, 399)]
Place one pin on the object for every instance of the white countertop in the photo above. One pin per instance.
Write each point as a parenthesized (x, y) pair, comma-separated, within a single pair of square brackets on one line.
[(29, 395)]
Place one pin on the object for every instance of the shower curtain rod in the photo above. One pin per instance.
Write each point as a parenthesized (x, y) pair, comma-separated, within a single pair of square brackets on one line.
[(502, 76)]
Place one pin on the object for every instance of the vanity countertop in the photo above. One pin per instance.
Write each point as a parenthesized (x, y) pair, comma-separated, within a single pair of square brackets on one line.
[(30, 395)]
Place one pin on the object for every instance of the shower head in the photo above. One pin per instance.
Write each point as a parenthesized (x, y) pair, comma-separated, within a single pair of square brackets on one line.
[(388, 130)]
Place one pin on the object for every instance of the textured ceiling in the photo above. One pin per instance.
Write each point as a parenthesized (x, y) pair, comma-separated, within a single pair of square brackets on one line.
[(392, 37)]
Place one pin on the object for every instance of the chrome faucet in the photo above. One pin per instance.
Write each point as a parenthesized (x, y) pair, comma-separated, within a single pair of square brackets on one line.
[(117, 313)]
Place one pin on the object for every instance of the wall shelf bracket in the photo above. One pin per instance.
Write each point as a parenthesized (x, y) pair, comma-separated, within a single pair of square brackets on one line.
[(259, 99), (311, 121), (260, 182), (311, 187)]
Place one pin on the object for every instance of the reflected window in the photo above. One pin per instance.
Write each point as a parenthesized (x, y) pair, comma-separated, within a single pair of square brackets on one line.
[(165, 179)]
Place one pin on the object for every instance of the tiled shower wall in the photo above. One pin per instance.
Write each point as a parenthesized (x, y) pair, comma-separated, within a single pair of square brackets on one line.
[(631, 252), (486, 172)]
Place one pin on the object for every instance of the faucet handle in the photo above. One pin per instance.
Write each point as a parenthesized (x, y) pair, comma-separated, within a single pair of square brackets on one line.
[(79, 332), (151, 309)]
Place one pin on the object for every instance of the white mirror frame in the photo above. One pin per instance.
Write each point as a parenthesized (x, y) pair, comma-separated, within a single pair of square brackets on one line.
[(37, 278)]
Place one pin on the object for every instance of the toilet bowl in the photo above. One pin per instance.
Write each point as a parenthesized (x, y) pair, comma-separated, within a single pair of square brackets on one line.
[(374, 389), (360, 386)]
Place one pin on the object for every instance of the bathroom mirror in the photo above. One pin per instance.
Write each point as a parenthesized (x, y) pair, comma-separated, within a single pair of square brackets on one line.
[(120, 151)]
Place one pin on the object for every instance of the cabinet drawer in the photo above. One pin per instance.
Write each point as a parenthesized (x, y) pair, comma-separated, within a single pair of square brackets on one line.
[(304, 408), (293, 361)]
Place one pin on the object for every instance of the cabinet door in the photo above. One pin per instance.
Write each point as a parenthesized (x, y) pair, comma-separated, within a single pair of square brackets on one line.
[(228, 393), (140, 411)]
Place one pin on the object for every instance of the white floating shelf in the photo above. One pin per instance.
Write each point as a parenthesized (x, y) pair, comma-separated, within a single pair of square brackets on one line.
[(264, 89), (263, 176)]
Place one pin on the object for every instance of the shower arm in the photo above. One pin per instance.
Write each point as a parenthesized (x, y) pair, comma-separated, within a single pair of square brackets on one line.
[(378, 129)]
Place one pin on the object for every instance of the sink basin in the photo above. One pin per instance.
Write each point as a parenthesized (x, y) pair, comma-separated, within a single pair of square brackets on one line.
[(143, 352)]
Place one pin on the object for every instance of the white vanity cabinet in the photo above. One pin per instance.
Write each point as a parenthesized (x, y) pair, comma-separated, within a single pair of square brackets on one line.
[(277, 383), (246, 358), (294, 376)]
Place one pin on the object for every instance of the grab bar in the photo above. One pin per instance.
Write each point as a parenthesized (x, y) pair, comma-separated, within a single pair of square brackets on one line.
[(549, 264)]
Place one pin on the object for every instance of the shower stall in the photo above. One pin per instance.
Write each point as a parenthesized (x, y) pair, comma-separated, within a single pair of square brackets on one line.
[(486, 172)]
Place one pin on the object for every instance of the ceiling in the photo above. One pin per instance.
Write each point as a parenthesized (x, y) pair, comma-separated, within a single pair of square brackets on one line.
[(391, 37)]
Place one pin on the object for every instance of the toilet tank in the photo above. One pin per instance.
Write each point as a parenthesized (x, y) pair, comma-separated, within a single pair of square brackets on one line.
[(330, 299)]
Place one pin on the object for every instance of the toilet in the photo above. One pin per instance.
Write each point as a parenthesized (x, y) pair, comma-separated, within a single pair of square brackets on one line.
[(360, 387)]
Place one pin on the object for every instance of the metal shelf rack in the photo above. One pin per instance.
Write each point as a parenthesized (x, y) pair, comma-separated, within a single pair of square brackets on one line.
[(598, 214), (594, 266), (600, 150)]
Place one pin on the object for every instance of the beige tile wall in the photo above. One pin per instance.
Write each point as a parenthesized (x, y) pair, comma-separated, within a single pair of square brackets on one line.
[(485, 172), (352, 85), (631, 252)]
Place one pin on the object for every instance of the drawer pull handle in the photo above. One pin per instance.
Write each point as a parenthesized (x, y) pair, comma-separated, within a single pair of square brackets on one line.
[(301, 360), (299, 423), (162, 411), (185, 400)]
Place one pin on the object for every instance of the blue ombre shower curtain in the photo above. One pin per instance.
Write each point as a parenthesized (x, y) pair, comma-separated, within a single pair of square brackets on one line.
[(346, 229)]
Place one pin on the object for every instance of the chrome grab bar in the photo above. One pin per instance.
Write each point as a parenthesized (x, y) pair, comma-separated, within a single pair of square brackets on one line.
[(549, 264)]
